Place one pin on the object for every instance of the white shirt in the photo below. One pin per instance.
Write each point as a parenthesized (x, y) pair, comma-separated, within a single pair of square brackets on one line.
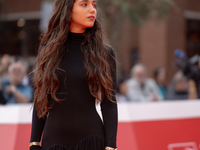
[(137, 93)]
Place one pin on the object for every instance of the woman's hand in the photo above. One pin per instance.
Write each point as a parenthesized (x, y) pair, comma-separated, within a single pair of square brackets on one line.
[(35, 147), (110, 148)]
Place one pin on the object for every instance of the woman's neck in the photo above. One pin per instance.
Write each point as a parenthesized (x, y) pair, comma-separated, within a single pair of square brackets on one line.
[(75, 29)]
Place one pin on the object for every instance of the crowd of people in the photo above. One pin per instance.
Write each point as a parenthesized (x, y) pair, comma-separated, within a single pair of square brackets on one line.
[(15, 86), (140, 88)]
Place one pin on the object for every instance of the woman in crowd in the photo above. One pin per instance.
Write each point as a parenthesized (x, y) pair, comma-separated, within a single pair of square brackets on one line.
[(160, 78)]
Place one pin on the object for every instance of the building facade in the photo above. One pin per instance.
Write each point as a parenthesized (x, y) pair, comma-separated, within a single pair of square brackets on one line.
[(152, 44)]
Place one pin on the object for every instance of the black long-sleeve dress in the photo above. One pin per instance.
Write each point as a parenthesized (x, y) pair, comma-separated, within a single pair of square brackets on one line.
[(74, 124)]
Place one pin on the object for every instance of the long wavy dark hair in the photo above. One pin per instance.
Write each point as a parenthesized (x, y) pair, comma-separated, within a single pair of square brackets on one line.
[(52, 48)]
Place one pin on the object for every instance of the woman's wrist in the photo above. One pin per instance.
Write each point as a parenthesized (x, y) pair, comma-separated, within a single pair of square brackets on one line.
[(34, 144), (110, 148)]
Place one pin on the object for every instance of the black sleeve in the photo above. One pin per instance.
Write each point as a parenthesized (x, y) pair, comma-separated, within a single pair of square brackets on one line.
[(109, 109), (37, 123), (37, 128)]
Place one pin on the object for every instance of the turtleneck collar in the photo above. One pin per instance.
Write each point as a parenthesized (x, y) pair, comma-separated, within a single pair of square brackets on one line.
[(79, 37)]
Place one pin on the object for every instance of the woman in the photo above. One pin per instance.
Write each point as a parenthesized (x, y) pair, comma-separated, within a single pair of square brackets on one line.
[(75, 67), (160, 78)]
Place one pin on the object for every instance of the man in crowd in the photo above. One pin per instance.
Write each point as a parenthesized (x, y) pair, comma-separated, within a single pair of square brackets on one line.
[(140, 88), (5, 61), (13, 90)]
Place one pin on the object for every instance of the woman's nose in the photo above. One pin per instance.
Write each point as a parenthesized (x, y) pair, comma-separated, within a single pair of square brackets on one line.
[(92, 9)]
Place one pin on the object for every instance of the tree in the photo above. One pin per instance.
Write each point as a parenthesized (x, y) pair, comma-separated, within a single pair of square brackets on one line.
[(139, 11)]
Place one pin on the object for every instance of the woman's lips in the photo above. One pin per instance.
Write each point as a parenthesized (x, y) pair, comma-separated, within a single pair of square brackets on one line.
[(91, 17)]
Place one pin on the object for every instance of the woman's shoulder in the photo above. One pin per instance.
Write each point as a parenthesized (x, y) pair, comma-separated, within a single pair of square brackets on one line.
[(111, 58), (110, 50)]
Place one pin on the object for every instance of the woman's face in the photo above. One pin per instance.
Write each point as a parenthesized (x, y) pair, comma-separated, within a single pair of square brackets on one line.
[(83, 15), (162, 75)]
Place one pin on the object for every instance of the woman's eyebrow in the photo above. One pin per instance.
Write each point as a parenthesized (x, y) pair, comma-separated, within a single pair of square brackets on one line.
[(86, 1)]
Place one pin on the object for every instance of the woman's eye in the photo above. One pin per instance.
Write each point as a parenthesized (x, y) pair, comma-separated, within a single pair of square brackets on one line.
[(95, 5), (84, 4)]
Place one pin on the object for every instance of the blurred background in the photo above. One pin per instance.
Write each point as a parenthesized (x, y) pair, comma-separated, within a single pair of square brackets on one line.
[(157, 44), (140, 31)]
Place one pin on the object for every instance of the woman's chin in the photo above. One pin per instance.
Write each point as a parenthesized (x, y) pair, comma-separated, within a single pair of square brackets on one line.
[(90, 25)]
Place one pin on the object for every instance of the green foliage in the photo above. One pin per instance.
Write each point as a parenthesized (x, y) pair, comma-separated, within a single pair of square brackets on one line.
[(137, 10)]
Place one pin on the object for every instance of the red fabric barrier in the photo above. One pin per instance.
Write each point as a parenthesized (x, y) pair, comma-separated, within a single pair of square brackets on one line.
[(14, 136), (160, 135), (152, 126)]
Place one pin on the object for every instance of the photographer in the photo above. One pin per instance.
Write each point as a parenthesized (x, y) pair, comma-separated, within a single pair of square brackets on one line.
[(189, 67), (181, 88)]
